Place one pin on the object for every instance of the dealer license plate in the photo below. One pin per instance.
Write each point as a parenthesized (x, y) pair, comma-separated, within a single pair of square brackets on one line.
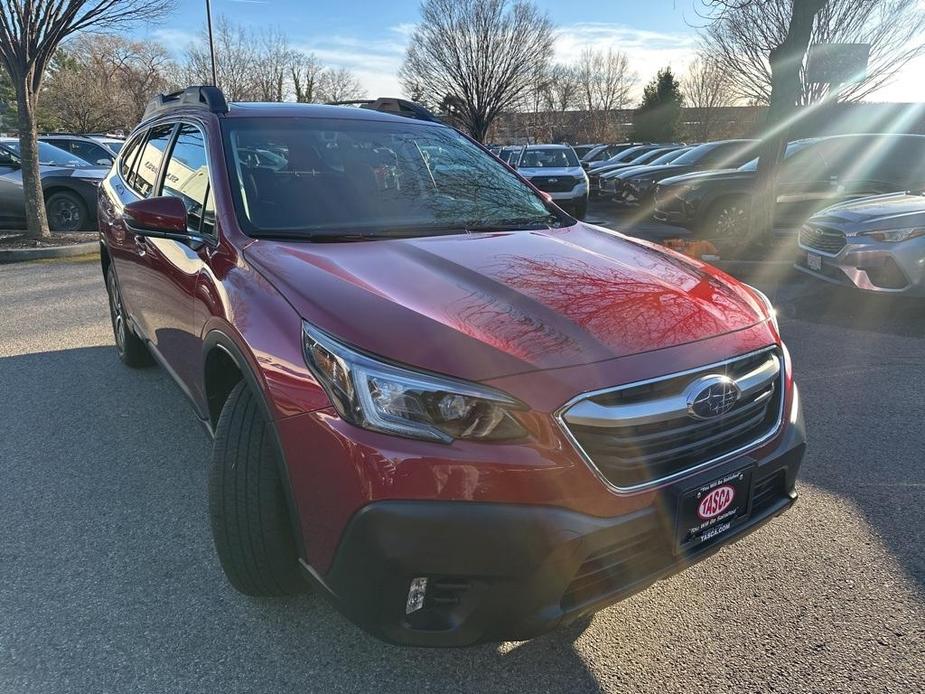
[(709, 511), (814, 262)]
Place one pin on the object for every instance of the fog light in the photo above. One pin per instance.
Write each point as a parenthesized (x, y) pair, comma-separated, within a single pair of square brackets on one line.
[(416, 595)]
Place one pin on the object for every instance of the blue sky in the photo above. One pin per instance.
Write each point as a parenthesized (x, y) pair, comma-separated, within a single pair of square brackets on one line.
[(369, 36)]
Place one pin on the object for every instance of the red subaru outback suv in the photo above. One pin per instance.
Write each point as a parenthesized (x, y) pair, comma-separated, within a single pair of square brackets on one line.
[(460, 413)]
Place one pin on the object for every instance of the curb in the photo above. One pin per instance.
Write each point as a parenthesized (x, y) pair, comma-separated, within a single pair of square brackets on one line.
[(20, 255)]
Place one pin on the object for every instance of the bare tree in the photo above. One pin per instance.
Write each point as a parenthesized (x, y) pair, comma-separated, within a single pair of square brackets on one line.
[(707, 88), (744, 33), (339, 84), (483, 54), (785, 58), (272, 65), (30, 33), (237, 59), (103, 82), (562, 89), (305, 71), (605, 82)]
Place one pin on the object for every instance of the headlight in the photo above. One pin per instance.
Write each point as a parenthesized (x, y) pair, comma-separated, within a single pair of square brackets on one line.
[(894, 235), (772, 312), (385, 397)]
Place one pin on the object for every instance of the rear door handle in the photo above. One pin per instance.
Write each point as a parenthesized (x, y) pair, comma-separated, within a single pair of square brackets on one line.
[(141, 244)]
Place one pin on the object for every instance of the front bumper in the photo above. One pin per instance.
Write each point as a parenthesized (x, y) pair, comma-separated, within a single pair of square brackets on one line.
[(576, 194), (884, 268), (511, 571)]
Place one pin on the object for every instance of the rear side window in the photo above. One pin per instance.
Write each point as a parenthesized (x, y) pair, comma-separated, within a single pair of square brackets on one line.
[(88, 151), (144, 173), (186, 176), (128, 155)]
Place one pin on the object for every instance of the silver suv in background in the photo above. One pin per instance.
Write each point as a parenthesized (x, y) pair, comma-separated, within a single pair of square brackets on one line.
[(875, 243), (556, 171)]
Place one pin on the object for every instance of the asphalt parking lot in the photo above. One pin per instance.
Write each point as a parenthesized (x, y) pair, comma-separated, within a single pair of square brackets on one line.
[(109, 582)]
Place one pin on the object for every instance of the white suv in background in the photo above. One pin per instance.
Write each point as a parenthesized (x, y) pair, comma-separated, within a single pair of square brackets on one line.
[(555, 170)]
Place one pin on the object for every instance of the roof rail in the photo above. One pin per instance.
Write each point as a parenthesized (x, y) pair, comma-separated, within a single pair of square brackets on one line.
[(205, 97), (398, 107)]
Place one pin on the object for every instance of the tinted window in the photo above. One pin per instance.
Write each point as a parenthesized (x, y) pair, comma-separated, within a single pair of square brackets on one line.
[(53, 156), (186, 175), (89, 151), (144, 173), (7, 158), (374, 177)]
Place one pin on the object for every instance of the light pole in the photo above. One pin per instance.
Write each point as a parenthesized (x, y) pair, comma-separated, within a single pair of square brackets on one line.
[(211, 42)]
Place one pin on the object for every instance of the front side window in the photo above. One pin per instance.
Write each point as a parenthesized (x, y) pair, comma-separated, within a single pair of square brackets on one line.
[(128, 157), (144, 173), (186, 175), (336, 178)]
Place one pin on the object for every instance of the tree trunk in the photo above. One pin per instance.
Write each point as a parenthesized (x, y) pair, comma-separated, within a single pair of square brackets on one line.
[(36, 220), (786, 62)]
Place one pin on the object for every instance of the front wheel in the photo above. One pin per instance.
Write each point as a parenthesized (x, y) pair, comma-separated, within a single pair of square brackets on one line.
[(66, 212), (727, 220), (247, 505)]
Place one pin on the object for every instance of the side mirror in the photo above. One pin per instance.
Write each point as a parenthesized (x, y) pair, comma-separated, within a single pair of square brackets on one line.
[(163, 217)]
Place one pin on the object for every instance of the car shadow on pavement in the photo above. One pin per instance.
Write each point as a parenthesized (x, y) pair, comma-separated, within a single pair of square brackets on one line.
[(108, 577)]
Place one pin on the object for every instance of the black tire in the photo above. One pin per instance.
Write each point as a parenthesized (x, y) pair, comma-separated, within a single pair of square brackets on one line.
[(131, 349), (726, 220), (66, 211), (247, 505), (581, 209)]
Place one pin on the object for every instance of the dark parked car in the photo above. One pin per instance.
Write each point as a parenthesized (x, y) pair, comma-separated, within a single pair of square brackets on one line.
[(459, 412), (816, 173), (876, 244), (636, 187), (87, 148), (604, 152), (69, 184), (634, 156), (582, 150)]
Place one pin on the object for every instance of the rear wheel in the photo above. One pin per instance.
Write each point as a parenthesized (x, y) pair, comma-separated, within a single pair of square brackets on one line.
[(66, 211), (247, 504), (131, 349)]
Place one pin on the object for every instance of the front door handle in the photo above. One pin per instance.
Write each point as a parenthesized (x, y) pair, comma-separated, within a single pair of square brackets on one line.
[(141, 244)]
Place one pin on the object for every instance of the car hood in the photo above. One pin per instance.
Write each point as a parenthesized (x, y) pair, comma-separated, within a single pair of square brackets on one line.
[(551, 171), (698, 177), (482, 306), (893, 211)]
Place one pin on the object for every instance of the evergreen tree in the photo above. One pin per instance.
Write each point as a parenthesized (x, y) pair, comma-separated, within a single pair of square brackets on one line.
[(658, 117)]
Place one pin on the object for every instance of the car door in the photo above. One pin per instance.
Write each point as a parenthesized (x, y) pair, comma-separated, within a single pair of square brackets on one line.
[(175, 266), (137, 275), (12, 204), (805, 183)]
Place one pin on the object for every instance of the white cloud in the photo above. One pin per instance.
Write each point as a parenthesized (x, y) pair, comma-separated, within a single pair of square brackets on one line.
[(646, 51), (374, 62)]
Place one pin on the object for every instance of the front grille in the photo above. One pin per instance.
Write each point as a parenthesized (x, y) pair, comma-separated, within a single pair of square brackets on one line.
[(821, 239), (639, 434), (617, 567), (554, 184)]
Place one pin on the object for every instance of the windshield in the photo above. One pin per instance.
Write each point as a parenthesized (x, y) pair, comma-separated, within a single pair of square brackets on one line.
[(792, 149), (508, 153), (340, 178), (544, 158), (630, 154), (670, 157), (52, 156), (649, 157), (695, 154)]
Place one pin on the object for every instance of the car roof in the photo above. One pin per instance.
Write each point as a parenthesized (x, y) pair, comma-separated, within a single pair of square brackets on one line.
[(292, 110)]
